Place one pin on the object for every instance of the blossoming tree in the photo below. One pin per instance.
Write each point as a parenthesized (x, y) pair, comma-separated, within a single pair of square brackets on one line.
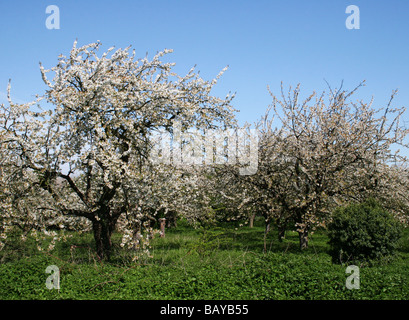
[(89, 155), (320, 153), (327, 152)]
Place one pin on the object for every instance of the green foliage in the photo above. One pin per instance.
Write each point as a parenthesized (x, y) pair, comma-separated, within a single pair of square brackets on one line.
[(208, 242), (231, 266), (363, 232)]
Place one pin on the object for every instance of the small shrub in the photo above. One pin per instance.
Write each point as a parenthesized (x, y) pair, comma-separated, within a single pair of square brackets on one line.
[(363, 232)]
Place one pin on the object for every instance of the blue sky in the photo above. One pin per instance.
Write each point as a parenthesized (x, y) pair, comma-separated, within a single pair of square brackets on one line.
[(264, 42)]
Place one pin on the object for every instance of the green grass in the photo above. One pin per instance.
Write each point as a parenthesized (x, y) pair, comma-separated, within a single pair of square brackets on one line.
[(215, 263)]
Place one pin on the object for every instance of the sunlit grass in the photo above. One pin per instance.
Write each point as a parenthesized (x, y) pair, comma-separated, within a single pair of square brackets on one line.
[(216, 262)]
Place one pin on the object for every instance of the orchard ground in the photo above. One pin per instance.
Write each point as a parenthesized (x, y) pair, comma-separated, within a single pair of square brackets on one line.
[(222, 262)]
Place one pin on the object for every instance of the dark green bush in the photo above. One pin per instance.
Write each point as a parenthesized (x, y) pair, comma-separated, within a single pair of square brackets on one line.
[(363, 232)]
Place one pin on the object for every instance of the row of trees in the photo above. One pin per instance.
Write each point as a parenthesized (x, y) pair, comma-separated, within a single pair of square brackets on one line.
[(85, 163)]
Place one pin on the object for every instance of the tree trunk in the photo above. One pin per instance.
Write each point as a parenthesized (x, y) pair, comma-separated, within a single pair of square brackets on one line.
[(302, 227), (303, 235), (103, 229), (136, 235), (281, 233), (162, 227), (265, 234), (102, 236), (252, 217), (282, 225)]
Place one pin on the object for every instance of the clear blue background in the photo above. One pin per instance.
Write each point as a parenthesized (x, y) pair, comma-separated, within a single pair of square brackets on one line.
[(264, 42)]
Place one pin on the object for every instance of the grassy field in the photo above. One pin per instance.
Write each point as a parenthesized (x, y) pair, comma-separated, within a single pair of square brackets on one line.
[(215, 263)]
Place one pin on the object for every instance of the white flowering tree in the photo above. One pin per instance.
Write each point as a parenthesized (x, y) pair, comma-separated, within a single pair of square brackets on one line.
[(320, 153), (23, 205), (327, 152), (89, 155)]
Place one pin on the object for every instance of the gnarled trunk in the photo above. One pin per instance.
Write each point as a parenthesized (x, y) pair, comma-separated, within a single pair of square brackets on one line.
[(102, 236), (302, 226), (303, 236), (103, 229)]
